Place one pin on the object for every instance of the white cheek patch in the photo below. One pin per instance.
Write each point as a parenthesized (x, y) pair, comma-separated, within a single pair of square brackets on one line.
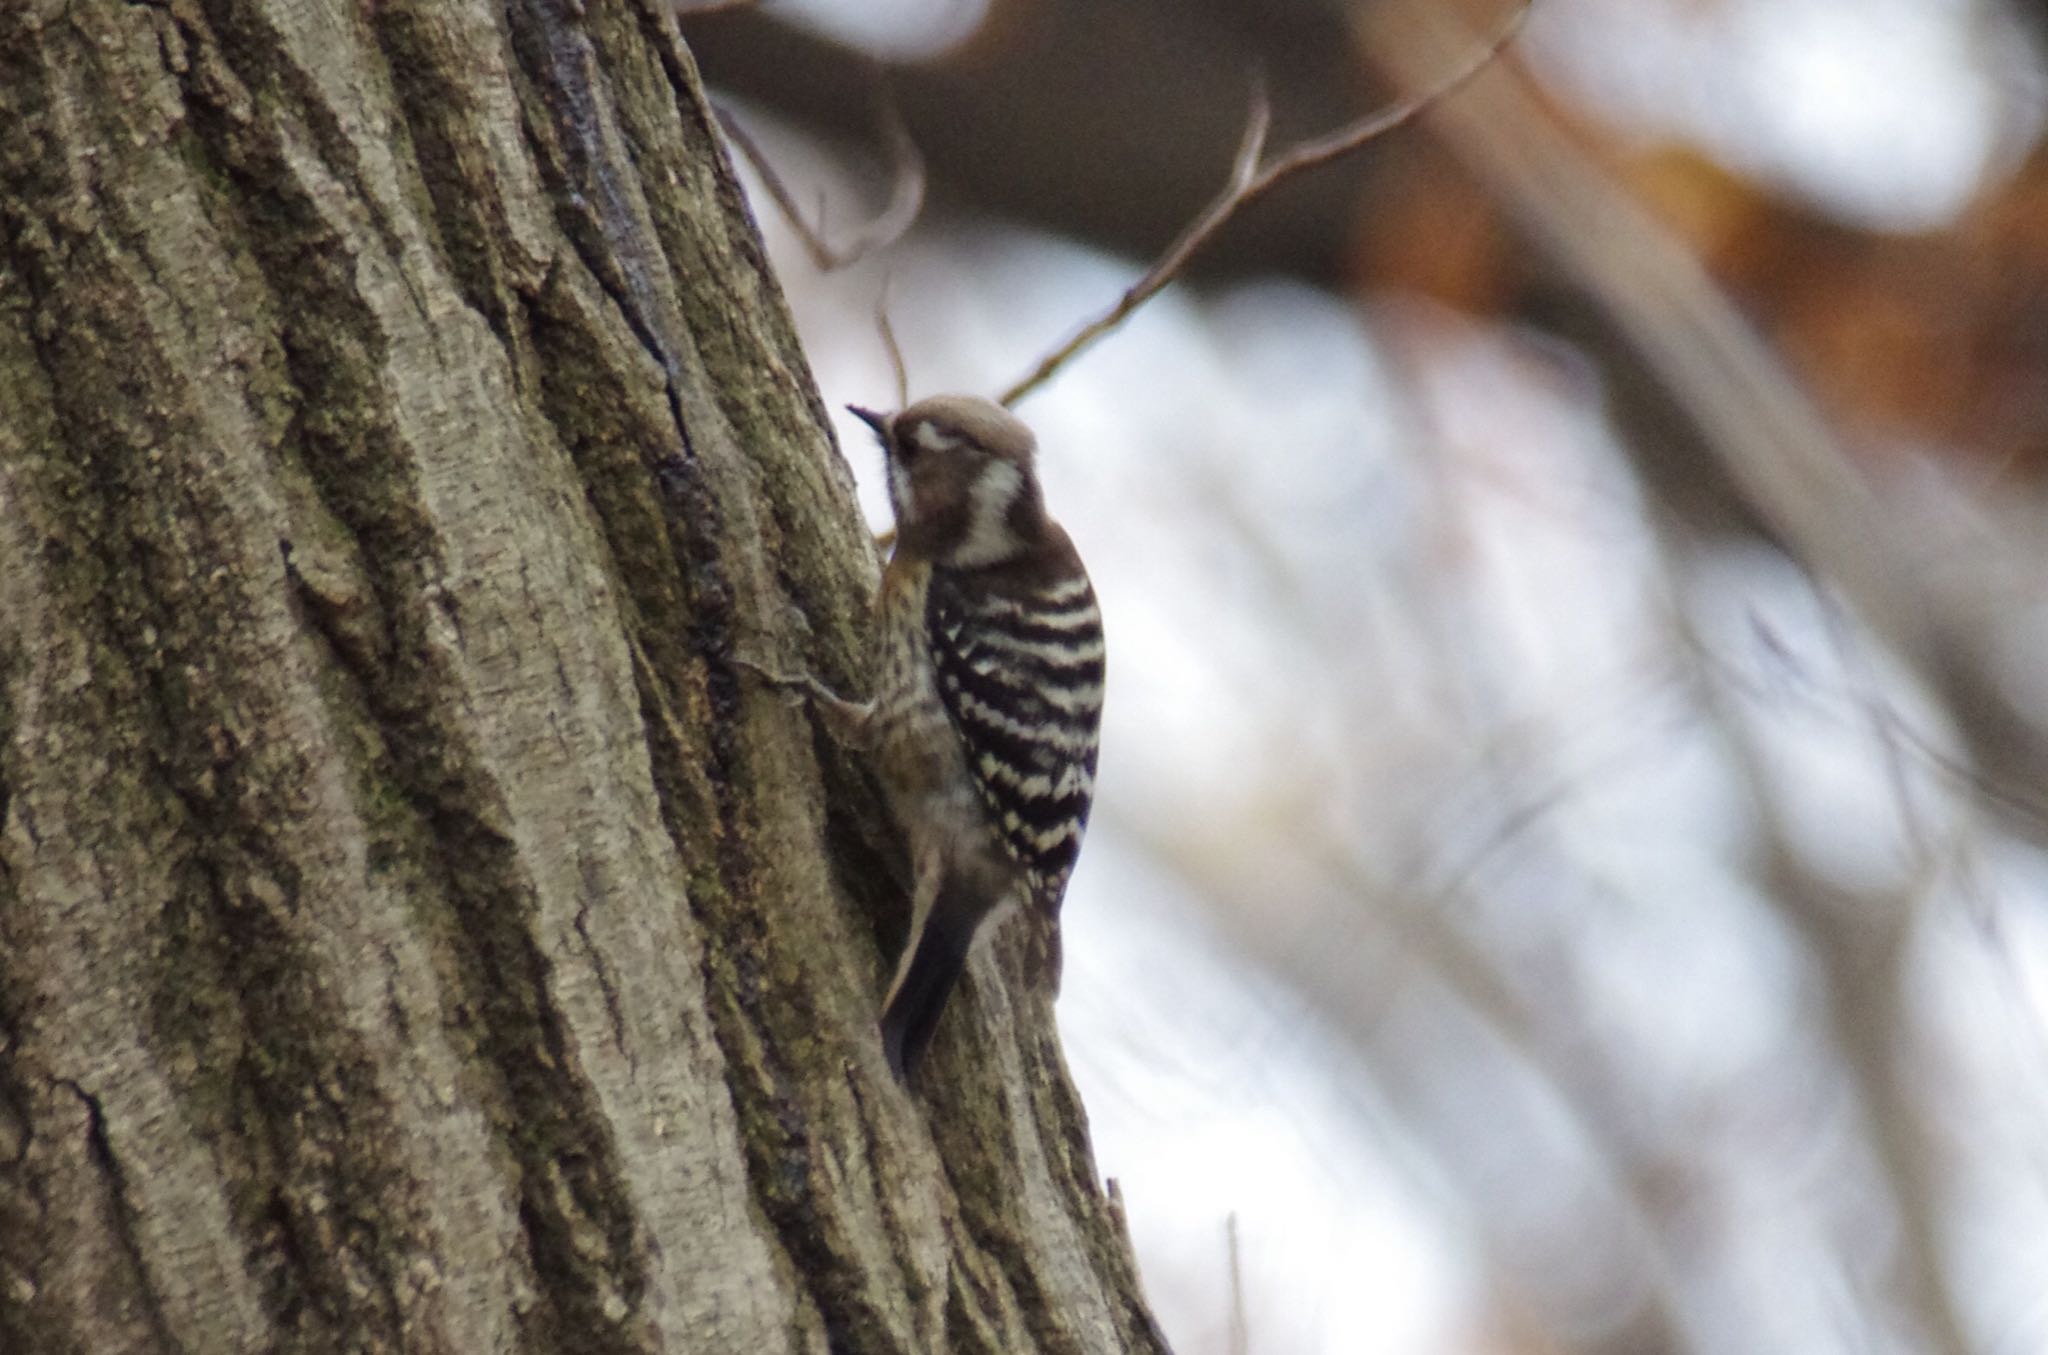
[(989, 537), (929, 438)]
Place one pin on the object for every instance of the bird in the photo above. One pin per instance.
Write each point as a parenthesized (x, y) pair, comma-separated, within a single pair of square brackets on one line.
[(984, 724)]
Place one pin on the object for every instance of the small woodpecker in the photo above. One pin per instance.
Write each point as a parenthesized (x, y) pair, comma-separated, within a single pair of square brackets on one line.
[(983, 726)]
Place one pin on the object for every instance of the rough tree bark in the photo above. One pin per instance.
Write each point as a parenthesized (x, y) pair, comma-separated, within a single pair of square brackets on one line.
[(412, 936)]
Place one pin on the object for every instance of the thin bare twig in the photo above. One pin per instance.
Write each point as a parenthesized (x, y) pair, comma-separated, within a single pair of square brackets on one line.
[(891, 346), (687, 10), (1252, 145), (1251, 178), (906, 188), (1240, 1330)]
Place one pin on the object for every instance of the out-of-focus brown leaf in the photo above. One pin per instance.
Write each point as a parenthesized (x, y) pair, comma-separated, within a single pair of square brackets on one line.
[(1935, 342), (1434, 234)]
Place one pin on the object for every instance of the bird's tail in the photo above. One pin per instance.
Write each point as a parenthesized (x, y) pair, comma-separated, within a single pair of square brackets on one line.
[(927, 978)]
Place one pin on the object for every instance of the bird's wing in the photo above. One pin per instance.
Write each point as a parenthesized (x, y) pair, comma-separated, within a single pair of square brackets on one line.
[(1020, 672)]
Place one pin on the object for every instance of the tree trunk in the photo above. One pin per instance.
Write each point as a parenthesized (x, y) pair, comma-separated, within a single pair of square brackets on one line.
[(413, 935)]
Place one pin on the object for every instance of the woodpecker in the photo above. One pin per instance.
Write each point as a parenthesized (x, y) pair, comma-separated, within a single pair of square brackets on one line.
[(983, 726)]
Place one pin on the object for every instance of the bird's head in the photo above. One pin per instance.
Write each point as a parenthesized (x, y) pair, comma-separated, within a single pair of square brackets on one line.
[(962, 482)]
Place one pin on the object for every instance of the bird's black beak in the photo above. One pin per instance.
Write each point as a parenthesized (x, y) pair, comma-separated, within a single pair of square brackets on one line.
[(878, 422)]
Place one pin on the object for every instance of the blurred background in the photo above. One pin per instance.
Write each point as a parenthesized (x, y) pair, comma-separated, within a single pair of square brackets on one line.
[(1571, 865)]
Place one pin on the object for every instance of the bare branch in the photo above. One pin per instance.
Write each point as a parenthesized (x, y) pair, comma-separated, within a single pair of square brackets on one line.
[(891, 346), (1250, 180), (687, 10), (1240, 1330), (1251, 148), (906, 188)]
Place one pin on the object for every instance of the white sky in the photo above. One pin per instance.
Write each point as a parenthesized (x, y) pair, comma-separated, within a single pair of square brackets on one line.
[(1889, 113)]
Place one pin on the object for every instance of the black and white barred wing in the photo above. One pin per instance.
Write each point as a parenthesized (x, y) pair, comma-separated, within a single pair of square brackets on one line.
[(1021, 677)]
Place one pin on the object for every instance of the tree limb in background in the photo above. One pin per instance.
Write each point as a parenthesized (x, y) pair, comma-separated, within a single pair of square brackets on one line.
[(906, 188), (1939, 591), (1252, 176), (1911, 576), (1858, 943)]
